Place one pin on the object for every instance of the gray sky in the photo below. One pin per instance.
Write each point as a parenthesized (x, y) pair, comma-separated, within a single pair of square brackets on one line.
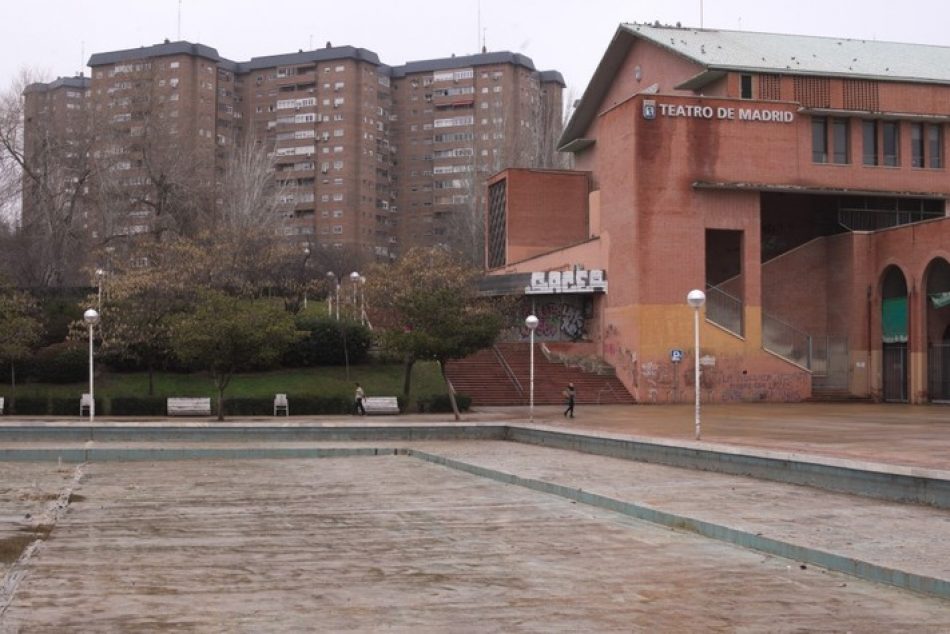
[(56, 37)]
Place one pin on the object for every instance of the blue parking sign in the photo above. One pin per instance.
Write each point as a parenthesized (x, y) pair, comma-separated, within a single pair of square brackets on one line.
[(676, 355)]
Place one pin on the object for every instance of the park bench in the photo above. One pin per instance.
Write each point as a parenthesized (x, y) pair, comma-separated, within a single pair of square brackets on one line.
[(199, 406), (281, 405), (85, 404), (381, 405)]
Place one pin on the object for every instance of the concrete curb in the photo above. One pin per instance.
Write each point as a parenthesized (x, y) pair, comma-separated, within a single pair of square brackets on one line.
[(919, 486), (863, 480), (132, 454), (830, 561)]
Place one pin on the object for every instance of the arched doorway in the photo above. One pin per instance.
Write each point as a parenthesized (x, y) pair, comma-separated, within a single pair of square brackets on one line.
[(937, 278), (894, 334)]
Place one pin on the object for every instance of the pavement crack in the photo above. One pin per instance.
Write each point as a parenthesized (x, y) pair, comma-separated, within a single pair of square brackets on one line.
[(40, 526)]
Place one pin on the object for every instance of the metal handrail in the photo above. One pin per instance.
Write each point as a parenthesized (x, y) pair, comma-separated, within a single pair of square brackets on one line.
[(724, 310), (783, 339), (508, 370)]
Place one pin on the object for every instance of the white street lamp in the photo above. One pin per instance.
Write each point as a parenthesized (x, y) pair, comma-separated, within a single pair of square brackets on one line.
[(363, 319), (532, 323), (100, 273), (91, 317), (306, 256), (355, 279), (331, 277), (696, 298)]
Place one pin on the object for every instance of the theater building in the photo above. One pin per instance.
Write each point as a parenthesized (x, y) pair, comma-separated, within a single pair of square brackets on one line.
[(800, 181)]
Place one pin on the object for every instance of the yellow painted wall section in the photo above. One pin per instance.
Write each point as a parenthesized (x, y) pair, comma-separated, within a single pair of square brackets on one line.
[(739, 369)]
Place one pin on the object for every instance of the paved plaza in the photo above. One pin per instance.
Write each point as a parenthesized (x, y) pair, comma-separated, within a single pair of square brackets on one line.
[(399, 541)]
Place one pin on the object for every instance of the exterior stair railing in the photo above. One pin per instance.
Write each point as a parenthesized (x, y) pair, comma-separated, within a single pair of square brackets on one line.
[(778, 337), (787, 341), (508, 370), (724, 310)]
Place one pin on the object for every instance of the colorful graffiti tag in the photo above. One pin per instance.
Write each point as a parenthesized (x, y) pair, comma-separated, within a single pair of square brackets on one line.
[(558, 320)]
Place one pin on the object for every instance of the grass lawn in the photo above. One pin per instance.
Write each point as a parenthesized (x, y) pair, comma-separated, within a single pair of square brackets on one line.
[(377, 380)]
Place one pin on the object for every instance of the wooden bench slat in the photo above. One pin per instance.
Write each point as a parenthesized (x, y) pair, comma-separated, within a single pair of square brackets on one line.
[(188, 406), (381, 405)]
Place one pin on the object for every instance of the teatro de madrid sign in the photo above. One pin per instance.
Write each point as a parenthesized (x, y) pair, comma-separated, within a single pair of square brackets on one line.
[(652, 110)]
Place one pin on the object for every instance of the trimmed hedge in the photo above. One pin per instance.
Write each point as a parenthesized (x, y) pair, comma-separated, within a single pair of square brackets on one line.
[(43, 406), (315, 405), (32, 406), (247, 406), (137, 406), (59, 406), (440, 403), (299, 405)]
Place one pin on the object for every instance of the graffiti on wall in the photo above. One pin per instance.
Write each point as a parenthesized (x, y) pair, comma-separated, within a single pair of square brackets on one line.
[(730, 382), (561, 319), (621, 358)]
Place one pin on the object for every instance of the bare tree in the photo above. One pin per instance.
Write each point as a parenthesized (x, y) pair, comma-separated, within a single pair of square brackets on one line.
[(250, 196), (153, 177), (46, 165)]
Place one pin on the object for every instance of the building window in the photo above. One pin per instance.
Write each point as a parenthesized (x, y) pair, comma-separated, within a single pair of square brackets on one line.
[(869, 142), (819, 140), (935, 145), (891, 142), (916, 144), (841, 139), (746, 86)]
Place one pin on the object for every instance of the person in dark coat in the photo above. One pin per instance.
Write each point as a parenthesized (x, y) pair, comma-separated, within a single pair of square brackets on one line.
[(569, 395)]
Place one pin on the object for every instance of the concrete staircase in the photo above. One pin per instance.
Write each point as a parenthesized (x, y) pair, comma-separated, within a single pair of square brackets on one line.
[(500, 376), (835, 395)]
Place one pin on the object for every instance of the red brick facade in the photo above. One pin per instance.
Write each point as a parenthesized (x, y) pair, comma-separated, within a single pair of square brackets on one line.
[(785, 195)]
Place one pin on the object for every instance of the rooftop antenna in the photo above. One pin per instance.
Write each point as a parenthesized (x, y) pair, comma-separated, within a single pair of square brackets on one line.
[(179, 20), (479, 24), (485, 40)]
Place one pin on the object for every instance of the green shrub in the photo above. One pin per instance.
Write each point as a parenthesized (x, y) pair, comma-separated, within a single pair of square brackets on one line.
[(33, 406), (323, 343), (137, 406), (60, 406), (246, 406), (60, 307), (315, 405), (440, 403), (59, 363)]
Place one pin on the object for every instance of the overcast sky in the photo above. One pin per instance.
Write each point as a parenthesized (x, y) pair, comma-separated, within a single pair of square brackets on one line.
[(56, 37)]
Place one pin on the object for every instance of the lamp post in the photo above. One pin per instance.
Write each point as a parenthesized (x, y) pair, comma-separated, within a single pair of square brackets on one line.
[(532, 323), (100, 273), (91, 317), (696, 298), (306, 256), (363, 318), (335, 288), (355, 279)]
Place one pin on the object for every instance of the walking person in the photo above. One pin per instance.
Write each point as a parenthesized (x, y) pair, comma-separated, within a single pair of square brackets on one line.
[(569, 395), (358, 401)]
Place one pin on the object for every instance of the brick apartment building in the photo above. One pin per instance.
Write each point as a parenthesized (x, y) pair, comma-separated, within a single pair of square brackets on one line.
[(800, 181), (367, 156)]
